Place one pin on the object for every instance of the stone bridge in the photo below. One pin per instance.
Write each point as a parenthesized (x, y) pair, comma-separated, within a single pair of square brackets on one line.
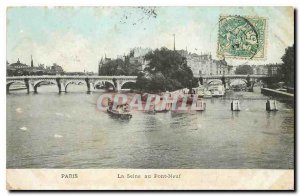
[(33, 82), (227, 79)]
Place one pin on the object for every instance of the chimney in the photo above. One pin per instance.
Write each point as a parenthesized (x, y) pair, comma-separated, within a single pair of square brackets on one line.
[(31, 61), (174, 42)]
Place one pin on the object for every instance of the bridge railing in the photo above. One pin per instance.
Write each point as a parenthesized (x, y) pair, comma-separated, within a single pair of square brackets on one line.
[(69, 77)]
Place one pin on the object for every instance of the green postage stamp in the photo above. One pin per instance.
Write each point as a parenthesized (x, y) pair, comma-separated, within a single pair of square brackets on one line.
[(242, 37)]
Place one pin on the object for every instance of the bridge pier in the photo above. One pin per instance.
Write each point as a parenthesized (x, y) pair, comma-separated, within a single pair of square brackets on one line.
[(7, 88), (60, 85), (28, 86), (88, 85), (118, 86), (223, 81), (92, 86), (201, 80)]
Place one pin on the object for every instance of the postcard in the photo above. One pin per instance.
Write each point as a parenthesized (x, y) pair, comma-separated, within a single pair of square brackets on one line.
[(150, 98)]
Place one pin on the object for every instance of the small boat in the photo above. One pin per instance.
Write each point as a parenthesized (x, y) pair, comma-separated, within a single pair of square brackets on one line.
[(217, 90), (121, 111), (207, 94), (216, 94), (200, 92), (118, 114)]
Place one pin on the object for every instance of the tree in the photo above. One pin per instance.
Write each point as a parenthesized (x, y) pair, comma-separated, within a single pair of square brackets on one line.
[(244, 70), (288, 67), (164, 60), (119, 67), (167, 70)]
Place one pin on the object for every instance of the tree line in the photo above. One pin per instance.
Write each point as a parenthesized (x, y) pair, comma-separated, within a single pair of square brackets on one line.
[(166, 70)]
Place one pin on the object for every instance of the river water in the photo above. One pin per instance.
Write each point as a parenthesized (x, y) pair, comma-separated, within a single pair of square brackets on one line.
[(48, 130)]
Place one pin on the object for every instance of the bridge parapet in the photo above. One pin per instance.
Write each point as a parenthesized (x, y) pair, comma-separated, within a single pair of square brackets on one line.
[(71, 77), (32, 82)]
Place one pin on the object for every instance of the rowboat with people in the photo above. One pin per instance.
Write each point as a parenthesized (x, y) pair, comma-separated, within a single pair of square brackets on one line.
[(121, 111), (119, 114)]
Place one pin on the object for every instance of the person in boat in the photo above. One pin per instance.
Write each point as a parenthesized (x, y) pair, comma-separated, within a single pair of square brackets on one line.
[(126, 107), (118, 108)]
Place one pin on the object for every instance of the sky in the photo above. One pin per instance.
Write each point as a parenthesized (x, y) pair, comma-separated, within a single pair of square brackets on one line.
[(77, 37)]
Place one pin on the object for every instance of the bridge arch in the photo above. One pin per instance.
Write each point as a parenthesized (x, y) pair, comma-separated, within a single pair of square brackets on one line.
[(126, 82), (37, 84), (103, 81), (76, 82), (237, 79), (8, 84), (214, 80)]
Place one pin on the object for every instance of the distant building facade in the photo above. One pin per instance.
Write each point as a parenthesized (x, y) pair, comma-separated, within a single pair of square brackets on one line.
[(269, 69), (18, 65), (137, 56), (19, 69), (200, 64), (203, 64), (273, 69), (260, 69), (102, 62)]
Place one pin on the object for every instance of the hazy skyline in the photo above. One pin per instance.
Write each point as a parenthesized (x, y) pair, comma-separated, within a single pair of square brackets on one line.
[(77, 37)]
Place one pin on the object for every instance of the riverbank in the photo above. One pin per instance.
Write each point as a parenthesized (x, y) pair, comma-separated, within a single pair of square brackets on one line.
[(282, 96)]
